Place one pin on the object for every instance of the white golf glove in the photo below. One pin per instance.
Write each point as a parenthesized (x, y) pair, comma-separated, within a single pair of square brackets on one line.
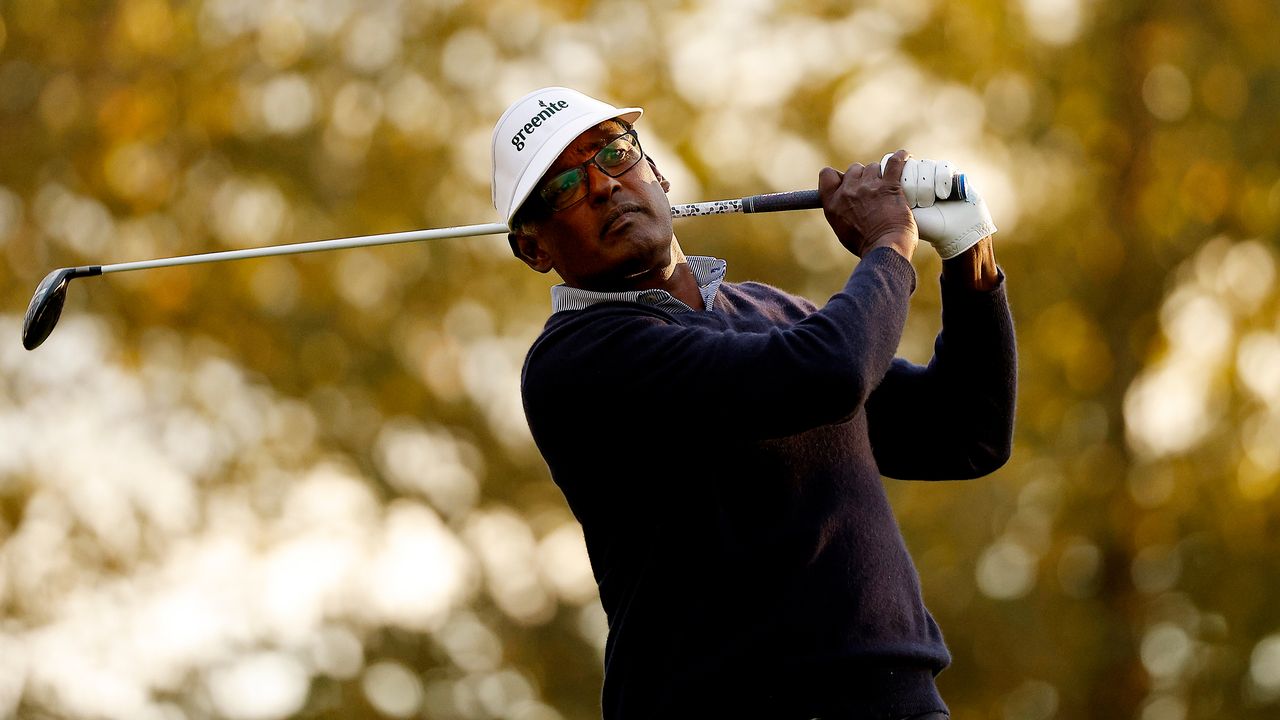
[(950, 226)]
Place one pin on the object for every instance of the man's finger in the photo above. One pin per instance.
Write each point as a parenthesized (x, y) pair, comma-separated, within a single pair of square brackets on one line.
[(910, 173), (855, 171), (942, 179), (828, 180), (926, 172), (892, 166)]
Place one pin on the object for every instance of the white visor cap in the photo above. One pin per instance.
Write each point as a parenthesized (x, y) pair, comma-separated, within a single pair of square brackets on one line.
[(533, 132)]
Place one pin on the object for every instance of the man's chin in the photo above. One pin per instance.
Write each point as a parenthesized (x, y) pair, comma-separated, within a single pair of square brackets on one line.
[(637, 262), (653, 264)]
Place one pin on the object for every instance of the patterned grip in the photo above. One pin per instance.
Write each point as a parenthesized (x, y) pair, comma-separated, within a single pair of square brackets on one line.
[(715, 207)]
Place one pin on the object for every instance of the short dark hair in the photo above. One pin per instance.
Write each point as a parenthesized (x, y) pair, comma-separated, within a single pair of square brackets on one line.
[(533, 211)]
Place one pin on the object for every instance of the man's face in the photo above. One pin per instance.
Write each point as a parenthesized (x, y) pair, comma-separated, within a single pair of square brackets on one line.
[(615, 238)]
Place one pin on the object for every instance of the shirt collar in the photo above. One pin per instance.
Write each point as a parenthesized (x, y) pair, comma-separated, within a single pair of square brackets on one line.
[(707, 271)]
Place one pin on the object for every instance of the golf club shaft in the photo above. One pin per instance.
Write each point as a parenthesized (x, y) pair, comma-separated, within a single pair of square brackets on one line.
[(308, 247), (798, 200), (47, 302), (769, 202)]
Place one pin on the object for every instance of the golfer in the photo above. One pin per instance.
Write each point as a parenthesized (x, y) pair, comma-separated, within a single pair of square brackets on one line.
[(722, 444)]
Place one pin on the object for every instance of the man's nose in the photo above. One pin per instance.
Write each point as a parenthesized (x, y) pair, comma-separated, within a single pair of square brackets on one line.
[(600, 184)]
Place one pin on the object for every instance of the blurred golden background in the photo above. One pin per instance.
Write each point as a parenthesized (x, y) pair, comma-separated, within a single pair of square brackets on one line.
[(303, 487)]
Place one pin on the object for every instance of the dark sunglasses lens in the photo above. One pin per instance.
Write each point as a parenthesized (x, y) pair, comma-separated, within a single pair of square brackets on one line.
[(565, 189)]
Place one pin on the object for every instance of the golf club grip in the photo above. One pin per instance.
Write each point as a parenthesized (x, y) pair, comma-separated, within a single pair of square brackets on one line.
[(810, 200), (777, 202)]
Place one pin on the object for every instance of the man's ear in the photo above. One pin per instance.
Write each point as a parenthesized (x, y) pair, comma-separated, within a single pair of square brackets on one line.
[(526, 247), (666, 186)]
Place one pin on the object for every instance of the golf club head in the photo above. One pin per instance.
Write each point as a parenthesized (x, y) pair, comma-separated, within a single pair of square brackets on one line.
[(46, 304)]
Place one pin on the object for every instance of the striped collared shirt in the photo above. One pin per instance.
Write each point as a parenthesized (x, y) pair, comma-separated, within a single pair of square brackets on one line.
[(707, 271)]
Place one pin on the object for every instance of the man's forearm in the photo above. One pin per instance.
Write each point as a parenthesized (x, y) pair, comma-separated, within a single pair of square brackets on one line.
[(967, 393), (974, 268)]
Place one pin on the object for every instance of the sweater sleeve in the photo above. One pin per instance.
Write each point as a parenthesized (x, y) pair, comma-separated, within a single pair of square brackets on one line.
[(951, 419), (626, 365)]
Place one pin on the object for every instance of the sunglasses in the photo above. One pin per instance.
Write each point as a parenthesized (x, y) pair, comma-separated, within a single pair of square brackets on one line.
[(570, 187)]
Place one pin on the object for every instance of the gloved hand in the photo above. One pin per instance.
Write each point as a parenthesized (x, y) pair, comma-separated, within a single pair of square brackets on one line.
[(950, 226)]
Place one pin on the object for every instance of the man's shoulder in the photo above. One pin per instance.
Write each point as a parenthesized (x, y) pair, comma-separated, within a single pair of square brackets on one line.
[(573, 334), (762, 295), (755, 288), (598, 317)]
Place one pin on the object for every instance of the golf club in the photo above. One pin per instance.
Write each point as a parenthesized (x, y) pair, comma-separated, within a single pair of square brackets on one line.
[(46, 304)]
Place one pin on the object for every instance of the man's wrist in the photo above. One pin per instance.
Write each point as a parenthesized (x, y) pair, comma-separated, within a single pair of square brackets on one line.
[(903, 242), (974, 268)]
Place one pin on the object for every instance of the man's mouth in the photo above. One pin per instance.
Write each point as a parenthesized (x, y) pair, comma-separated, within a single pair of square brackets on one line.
[(618, 214)]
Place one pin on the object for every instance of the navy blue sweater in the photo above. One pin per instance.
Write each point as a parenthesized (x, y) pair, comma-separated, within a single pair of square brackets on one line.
[(725, 466)]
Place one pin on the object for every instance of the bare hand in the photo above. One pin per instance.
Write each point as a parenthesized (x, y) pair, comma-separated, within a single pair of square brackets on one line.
[(867, 209)]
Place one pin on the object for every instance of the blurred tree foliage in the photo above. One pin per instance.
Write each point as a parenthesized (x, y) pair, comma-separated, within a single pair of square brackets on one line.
[(1123, 565)]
